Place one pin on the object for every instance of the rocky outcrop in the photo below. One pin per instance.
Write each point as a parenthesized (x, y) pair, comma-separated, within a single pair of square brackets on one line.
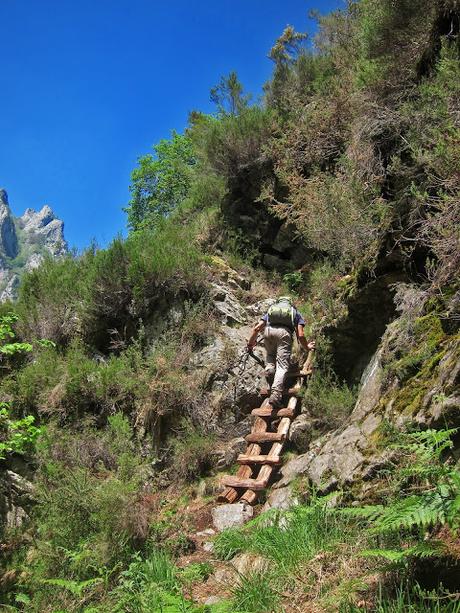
[(43, 227), (277, 242), (8, 238), (355, 453), (26, 240), (16, 493)]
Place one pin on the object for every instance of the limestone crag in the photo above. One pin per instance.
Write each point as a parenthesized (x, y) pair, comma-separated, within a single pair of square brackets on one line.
[(24, 241), (9, 241)]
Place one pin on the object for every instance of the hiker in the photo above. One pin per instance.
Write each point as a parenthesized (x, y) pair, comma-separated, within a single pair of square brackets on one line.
[(278, 325)]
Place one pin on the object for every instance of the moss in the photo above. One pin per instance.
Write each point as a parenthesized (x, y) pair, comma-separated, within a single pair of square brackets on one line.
[(408, 398), (428, 335)]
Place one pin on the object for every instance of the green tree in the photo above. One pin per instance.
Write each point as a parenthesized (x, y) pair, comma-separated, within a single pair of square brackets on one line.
[(161, 181), (284, 53), (228, 95)]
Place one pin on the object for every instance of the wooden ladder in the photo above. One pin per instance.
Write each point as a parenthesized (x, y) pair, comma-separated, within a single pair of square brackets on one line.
[(270, 429)]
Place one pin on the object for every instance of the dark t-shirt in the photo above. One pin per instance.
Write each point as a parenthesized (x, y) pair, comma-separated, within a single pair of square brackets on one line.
[(298, 319)]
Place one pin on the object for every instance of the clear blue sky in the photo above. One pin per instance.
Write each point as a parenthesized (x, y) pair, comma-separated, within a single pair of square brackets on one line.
[(86, 86)]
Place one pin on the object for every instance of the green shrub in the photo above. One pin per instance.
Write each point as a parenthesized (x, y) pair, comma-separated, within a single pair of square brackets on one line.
[(107, 291), (328, 400), (150, 584), (192, 451)]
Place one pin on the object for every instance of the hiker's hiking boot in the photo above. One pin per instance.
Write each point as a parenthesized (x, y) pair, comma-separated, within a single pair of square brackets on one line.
[(275, 401)]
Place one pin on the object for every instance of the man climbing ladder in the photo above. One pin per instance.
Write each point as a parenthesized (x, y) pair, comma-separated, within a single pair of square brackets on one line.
[(278, 325)]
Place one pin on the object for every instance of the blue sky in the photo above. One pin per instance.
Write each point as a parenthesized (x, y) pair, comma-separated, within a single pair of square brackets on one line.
[(87, 86)]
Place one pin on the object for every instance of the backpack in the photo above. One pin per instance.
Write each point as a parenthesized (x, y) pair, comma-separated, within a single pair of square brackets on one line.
[(281, 314)]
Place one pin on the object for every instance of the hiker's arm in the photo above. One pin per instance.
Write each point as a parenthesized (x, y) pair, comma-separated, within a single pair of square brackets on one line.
[(307, 345), (253, 338)]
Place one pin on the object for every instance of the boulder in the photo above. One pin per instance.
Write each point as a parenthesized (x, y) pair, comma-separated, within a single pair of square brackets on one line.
[(16, 499), (282, 499), (231, 515), (226, 454), (248, 563)]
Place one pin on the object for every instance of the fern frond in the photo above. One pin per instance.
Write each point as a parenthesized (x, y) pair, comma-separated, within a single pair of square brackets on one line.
[(392, 555), (420, 550), (424, 510), (370, 512), (76, 588)]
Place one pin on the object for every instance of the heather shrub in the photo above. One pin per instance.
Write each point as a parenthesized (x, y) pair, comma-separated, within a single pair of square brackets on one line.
[(230, 142), (192, 451), (106, 291)]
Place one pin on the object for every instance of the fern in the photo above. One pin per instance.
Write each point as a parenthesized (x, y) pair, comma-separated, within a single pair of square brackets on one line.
[(369, 512), (420, 550), (76, 588), (436, 483)]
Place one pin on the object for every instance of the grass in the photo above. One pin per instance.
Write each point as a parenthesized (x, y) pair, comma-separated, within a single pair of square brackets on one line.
[(289, 541), (255, 594), (286, 538), (409, 598)]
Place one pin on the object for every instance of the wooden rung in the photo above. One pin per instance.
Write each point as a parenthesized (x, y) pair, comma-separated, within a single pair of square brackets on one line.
[(258, 459), (246, 484), (265, 437), (292, 391), (249, 496), (275, 450), (270, 412), (265, 473), (284, 426), (229, 495)]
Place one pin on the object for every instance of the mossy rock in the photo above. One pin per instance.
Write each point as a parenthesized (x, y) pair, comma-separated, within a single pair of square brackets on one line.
[(428, 337)]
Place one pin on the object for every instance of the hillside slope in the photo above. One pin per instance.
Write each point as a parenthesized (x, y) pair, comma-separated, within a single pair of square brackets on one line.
[(341, 189)]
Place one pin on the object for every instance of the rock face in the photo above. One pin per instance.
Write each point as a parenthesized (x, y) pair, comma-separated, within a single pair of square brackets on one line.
[(9, 241), (276, 241), (26, 240), (16, 493)]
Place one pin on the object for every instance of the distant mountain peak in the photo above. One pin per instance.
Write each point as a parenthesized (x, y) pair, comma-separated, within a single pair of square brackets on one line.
[(3, 197), (24, 241)]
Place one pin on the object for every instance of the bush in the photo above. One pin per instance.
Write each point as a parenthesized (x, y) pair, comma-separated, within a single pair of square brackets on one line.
[(107, 291), (328, 400), (192, 451), (229, 143), (87, 487)]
